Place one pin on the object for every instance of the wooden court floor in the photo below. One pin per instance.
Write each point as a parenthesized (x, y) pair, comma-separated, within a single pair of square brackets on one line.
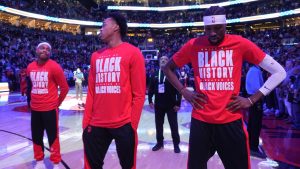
[(16, 146)]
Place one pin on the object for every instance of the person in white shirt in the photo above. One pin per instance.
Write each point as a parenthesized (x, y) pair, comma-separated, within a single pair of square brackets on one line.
[(78, 77)]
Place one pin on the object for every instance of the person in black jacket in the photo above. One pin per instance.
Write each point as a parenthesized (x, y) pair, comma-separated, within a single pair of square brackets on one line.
[(167, 101), (28, 90)]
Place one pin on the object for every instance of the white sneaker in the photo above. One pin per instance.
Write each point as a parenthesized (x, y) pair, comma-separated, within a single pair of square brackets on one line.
[(40, 165), (56, 166)]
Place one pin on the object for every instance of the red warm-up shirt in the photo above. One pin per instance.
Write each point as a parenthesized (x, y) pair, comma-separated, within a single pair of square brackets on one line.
[(117, 86), (45, 81), (217, 72)]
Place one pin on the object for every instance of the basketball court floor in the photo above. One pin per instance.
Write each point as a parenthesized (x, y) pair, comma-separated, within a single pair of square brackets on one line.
[(281, 144)]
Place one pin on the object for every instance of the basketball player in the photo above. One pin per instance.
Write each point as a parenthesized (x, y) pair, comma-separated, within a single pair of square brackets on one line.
[(116, 95), (46, 76), (217, 59)]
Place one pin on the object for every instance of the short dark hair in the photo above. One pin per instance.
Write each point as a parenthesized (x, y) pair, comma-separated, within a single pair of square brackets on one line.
[(214, 10), (121, 21)]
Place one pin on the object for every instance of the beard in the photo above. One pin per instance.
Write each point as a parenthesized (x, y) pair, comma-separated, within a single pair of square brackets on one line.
[(215, 40), (43, 58)]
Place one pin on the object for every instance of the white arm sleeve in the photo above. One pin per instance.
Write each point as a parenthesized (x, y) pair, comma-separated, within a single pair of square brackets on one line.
[(278, 74)]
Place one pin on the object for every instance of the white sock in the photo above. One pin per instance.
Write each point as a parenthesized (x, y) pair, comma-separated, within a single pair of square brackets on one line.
[(40, 165), (56, 166), (40, 162)]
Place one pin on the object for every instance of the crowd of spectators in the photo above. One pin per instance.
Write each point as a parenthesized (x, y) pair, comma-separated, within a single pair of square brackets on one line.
[(63, 9), (74, 10), (22, 3)]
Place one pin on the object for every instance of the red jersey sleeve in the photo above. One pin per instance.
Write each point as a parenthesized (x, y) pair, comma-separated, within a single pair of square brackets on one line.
[(251, 52), (138, 86), (182, 57), (90, 95), (61, 80)]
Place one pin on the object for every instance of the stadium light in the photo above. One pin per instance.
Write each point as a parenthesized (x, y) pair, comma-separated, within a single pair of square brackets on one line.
[(176, 8), (49, 18)]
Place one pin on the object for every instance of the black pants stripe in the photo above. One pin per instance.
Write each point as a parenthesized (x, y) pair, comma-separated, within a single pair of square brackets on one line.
[(40, 121), (159, 123), (229, 140), (96, 142)]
